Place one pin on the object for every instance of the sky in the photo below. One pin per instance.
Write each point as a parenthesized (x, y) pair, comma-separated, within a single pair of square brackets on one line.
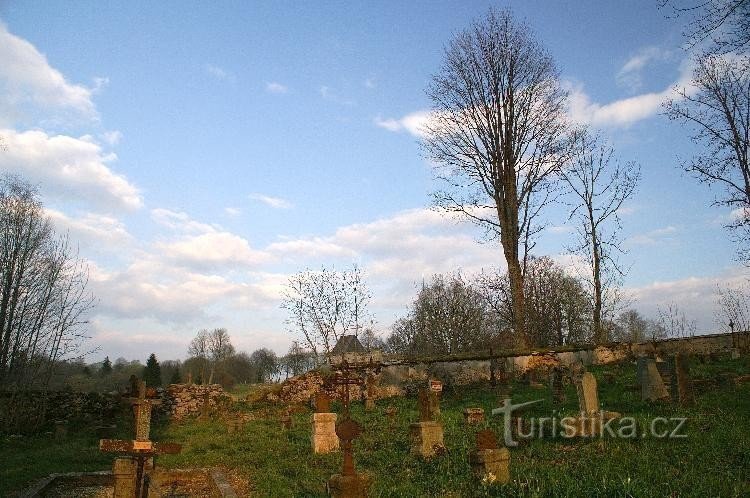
[(201, 153)]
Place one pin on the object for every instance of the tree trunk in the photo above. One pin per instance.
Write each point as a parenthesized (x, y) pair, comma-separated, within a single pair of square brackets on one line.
[(596, 269)]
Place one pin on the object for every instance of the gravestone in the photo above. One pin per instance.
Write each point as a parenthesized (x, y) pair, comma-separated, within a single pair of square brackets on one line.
[(682, 379), (588, 397), (589, 423), (324, 438), (666, 372), (652, 385), (427, 434), (490, 463), (473, 415), (124, 471)]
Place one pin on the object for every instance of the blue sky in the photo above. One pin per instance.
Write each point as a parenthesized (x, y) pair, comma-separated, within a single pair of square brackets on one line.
[(200, 153)]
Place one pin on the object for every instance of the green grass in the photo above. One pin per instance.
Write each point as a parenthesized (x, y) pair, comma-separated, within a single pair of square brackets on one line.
[(712, 461)]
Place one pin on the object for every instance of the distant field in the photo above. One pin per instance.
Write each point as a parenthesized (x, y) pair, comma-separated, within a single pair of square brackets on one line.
[(712, 461)]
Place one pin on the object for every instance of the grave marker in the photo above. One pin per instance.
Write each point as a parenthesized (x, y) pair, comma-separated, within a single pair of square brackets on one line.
[(324, 437), (652, 385), (141, 449), (427, 434), (489, 462)]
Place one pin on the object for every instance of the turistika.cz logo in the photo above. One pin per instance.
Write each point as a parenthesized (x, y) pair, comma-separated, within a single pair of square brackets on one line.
[(595, 424)]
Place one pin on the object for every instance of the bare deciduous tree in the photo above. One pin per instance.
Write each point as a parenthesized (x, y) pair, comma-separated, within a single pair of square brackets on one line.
[(210, 349), (325, 305), (498, 135), (718, 109), (44, 299), (600, 184), (723, 23), (734, 307)]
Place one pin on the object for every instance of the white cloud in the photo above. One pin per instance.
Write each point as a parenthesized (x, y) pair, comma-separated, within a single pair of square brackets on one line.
[(112, 137), (26, 78), (274, 202), (150, 288), (370, 83), (67, 167), (232, 211), (219, 73), (213, 250), (329, 94), (696, 296), (630, 75), (412, 123), (653, 237), (92, 227), (180, 221), (274, 87), (624, 112)]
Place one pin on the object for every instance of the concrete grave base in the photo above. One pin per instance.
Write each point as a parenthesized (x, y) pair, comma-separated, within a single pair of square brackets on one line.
[(356, 486), (190, 483), (492, 465), (426, 438)]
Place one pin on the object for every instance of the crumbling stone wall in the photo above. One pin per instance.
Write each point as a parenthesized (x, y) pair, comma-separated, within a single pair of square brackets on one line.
[(184, 400), (32, 411)]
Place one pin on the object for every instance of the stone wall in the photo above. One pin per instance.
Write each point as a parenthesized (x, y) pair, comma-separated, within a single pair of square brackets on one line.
[(184, 400), (460, 372), (32, 411)]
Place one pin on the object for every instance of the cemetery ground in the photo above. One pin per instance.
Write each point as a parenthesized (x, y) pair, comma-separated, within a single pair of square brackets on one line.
[(264, 459)]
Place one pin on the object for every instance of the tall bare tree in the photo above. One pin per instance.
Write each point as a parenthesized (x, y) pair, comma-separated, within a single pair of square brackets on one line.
[(498, 135), (44, 299), (600, 184), (717, 107), (324, 305)]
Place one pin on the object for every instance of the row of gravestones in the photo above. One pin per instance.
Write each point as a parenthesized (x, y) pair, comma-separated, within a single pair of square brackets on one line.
[(489, 462), (665, 380)]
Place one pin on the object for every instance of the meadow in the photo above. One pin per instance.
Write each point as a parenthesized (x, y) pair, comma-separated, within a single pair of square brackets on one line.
[(711, 460)]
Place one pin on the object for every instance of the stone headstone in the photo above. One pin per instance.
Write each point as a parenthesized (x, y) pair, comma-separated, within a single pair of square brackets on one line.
[(652, 385), (682, 379), (391, 412), (426, 438), (324, 438), (429, 405), (124, 471), (588, 398), (666, 372), (490, 463)]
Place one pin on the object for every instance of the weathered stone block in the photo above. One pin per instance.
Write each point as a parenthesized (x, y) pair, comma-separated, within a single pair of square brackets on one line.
[(124, 474), (369, 404), (426, 438), (492, 465), (354, 486), (324, 438)]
